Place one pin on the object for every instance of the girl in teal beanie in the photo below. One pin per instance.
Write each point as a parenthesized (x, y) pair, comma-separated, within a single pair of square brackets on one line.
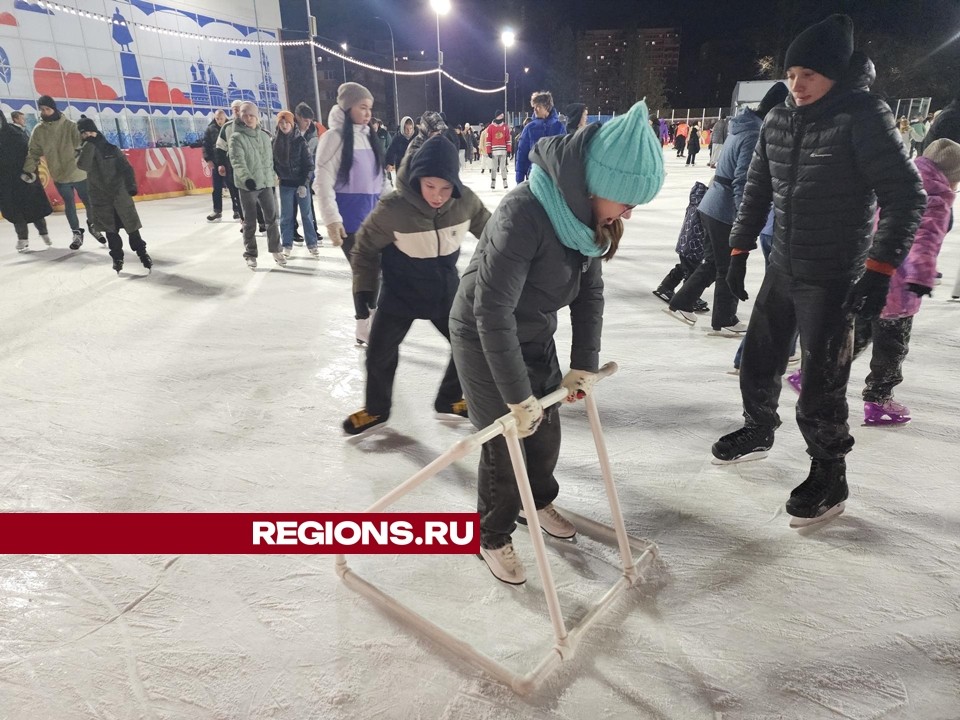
[(540, 252)]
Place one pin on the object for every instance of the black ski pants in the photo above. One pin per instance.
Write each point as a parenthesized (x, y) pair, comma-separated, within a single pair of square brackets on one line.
[(891, 343), (383, 355), (826, 337)]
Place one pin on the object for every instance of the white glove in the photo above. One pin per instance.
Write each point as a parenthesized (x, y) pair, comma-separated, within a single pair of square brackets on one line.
[(302, 191), (579, 384), (336, 233), (28, 177), (528, 415)]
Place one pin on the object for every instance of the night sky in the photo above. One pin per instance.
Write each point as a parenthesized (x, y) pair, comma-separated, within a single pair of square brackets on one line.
[(720, 40)]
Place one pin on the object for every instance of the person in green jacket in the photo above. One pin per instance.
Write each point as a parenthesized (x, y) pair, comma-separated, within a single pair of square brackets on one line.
[(56, 138), (413, 237), (112, 187), (251, 155)]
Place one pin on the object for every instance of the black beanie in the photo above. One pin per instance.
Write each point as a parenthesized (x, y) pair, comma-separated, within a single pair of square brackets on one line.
[(825, 47), (574, 112), (46, 100), (775, 95), (85, 124), (437, 157)]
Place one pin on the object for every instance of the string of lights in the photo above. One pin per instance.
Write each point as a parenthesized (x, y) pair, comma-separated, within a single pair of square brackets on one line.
[(263, 43)]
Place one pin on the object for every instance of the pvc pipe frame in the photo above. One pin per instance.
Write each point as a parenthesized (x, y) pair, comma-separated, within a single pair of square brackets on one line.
[(565, 640)]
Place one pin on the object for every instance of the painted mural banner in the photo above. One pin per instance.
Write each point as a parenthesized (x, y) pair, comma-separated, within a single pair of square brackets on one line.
[(161, 173), (149, 74)]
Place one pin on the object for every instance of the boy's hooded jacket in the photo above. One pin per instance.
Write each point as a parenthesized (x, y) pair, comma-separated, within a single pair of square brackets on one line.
[(414, 245)]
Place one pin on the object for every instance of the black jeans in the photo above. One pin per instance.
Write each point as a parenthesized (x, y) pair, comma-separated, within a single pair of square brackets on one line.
[(218, 183), (234, 194), (115, 243), (716, 260), (383, 354), (498, 500), (692, 157), (891, 343), (826, 335)]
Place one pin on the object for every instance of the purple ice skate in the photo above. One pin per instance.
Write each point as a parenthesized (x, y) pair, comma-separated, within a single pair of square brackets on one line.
[(888, 413), (796, 380)]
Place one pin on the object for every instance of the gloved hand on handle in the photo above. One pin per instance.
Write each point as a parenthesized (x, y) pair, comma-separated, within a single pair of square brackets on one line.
[(528, 415), (336, 233), (579, 384)]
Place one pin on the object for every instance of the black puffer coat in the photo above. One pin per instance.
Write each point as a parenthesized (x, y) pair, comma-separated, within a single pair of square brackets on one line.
[(825, 167), (20, 202), (291, 161)]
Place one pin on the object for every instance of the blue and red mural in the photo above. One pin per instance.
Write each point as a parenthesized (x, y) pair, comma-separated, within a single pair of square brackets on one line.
[(123, 64)]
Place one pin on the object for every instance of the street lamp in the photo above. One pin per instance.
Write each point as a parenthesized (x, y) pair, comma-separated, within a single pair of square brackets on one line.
[(343, 46), (507, 38), (440, 7), (393, 56)]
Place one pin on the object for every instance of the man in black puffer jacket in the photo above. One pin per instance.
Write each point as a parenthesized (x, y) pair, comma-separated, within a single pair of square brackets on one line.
[(826, 158)]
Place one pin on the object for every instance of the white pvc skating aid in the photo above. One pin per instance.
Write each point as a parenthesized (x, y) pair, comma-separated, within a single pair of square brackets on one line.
[(566, 640)]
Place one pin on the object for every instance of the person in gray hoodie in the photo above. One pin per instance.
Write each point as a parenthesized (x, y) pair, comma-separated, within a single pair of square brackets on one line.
[(540, 252)]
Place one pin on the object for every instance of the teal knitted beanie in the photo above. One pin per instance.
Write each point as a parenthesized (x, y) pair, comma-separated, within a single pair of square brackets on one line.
[(625, 159)]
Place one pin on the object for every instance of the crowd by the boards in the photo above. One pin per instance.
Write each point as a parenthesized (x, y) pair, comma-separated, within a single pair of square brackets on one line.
[(820, 175)]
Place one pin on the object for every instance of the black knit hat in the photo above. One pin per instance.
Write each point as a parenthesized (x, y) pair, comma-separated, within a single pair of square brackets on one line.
[(85, 124), (825, 47), (574, 112), (47, 101), (775, 95), (437, 157)]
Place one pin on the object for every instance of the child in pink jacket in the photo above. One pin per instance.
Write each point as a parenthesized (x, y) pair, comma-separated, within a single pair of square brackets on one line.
[(890, 333)]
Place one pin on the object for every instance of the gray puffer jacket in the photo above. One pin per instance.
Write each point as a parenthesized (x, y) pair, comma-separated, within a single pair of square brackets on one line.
[(826, 166), (521, 275)]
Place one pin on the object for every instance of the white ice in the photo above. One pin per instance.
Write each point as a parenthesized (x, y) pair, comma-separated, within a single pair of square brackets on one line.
[(207, 387)]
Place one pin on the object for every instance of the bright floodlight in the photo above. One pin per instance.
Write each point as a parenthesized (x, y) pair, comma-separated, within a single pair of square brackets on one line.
[(440, 7), (344, 46), (507, 37)]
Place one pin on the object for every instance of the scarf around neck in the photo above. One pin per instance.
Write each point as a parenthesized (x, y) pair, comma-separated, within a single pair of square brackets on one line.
[(571, 232)]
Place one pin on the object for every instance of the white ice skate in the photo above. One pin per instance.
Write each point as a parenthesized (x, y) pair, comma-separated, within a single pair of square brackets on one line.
[(687, 318), (799, 522)]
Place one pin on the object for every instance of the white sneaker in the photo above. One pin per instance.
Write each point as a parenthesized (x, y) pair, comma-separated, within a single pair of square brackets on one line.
[(315, 251), (287, 251), (280, 258), (687, 318), (504, 564), (251, 263), (552, 523), (22, 244), (46, 240)]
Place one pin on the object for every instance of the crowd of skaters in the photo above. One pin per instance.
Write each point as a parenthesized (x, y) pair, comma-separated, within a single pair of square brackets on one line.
[(398, 210)]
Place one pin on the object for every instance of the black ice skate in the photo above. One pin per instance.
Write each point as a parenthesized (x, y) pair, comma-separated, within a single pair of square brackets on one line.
[(747, 443), (97, 235), (821, 496), (147, 262), (77, 239), (118, 265)]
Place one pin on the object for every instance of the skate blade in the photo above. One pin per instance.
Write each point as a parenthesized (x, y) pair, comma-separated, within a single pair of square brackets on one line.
[(725, 334), (798, 522), (886, 423), (759, 455), (451, 418)]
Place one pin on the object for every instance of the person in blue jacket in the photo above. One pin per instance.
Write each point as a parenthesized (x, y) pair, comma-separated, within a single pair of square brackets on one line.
[(546, 122)]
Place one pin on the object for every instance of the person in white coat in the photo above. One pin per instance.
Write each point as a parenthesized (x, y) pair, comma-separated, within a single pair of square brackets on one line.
[(349, 175)]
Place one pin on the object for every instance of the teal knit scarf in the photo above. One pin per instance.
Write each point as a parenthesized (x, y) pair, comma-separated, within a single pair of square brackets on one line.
[(572, 233)]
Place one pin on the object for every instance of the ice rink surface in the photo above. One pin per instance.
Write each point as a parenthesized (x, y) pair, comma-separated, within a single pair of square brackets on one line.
[(208, 387)]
